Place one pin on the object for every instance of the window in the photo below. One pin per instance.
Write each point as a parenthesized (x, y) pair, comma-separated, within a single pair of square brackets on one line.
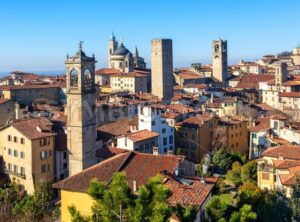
[(164, 130), (43, 154), (49, 167), (22, 155), (43, 168), (15, 139), (43, 142), (9, 167), (153, 123), (15, 153), (147, 146), (65, 155), (141, 147), (9, 151), (165, 141), (170, 139), (265, 176), (22, 171), (22, 141), (9, 137), (193, 145), (15, 169), (50, 152), (254, 135)]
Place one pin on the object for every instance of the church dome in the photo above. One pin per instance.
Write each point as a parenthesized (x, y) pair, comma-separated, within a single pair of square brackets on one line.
[(122, 50)]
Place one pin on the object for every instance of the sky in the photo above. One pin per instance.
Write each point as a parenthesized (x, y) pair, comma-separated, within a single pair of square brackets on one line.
[(36, 35)]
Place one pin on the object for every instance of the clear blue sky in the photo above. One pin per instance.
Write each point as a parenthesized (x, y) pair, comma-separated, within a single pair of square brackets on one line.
[(36, 35)]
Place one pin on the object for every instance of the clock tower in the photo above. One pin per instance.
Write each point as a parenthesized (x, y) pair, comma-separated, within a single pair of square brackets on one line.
[(81, 114), (219, 60)]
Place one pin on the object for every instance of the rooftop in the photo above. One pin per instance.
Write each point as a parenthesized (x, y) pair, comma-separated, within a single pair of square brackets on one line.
[(285, 152), (127, 162), (142, 135), (34, 128)]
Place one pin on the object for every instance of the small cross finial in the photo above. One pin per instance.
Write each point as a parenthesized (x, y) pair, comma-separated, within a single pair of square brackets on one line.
[(122, 40), (80, 45)]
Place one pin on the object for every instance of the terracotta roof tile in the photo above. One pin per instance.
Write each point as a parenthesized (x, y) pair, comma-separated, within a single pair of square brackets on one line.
[(196, 121), (286, 152), (108, 152), (114, 129), (34, 128), (193, 194), (142, 135), (249, 81), (289, 94), (262, 124), (138, 167), (107, 71), (29, 86), (2, 100)]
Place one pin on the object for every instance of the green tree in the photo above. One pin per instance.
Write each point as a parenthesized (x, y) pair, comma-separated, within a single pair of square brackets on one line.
[(10, 195), (35, 207), (222, 159), (237, 156), (249, 172), (249, 194), (234, 175), (216, 209), (245, 214), (186, 214), (116, 202), (295, 199), (275, 207)]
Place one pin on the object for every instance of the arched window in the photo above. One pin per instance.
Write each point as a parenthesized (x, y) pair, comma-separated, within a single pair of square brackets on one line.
[(74, 78), (87, 78)]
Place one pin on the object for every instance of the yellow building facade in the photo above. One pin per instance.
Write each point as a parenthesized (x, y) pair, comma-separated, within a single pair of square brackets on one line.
[(27, 159), (278, 168), (82, 201), (194, 136)]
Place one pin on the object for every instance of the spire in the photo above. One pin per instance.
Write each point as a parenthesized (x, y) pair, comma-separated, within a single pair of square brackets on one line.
[(80, 46), (122, 40), (136, 52), (80, 52), (113, 38)]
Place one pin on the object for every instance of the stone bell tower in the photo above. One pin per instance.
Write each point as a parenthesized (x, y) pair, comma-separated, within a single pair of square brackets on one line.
[(219, 60), (81, 117)]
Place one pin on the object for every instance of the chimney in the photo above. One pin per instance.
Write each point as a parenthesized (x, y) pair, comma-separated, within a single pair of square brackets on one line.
[(17, 110), (155, 150), (134, 186), (170, 152)]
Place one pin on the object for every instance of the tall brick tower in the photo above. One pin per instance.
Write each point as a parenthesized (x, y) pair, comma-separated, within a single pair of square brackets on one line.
[(81, 117), (162, 79), (219, 60)]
